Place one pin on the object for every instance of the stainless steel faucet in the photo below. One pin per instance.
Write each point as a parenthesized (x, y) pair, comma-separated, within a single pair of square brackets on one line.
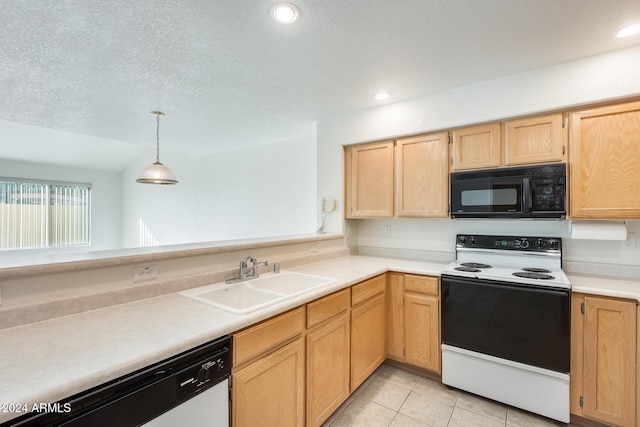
[(247, 272)]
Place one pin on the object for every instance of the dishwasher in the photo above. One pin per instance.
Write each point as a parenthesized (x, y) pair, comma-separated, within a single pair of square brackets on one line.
[(190, 389)]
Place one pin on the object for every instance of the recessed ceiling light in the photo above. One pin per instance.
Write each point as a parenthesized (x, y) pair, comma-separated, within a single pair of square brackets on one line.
[(381, 96), (629, 31), (285, 13)]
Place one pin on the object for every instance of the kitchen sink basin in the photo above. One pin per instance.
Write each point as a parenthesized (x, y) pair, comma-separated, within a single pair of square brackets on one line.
[(290, 283), (250, 295)]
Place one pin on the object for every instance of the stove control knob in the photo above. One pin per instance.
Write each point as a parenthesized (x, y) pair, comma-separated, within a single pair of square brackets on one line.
[(539, 244), (473, 241), (524, 244), (462, 240)]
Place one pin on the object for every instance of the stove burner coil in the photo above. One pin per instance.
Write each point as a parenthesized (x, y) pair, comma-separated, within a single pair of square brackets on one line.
[(536, 270), (475, 265), (533, 275), (468, 269)]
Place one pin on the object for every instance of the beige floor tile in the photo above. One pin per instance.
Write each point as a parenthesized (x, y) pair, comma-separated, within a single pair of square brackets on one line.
[(517, 418), (363, 412), (432, 412), (463, 418), (485, 407), (386, 393), (337, 423), (436, 390), (397, 376), (403, 421)]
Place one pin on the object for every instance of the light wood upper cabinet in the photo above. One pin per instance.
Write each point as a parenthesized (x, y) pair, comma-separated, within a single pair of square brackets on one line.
[(535, 140), (604, 163), (476, 147), (604, 360), (369, 179), (423, 176)]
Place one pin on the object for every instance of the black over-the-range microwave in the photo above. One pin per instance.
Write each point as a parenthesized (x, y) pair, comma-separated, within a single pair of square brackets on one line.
[(520, 192)]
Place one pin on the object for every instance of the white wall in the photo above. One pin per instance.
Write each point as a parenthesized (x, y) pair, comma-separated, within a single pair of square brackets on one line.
[(609, 76), (266, 190), (105, 202)]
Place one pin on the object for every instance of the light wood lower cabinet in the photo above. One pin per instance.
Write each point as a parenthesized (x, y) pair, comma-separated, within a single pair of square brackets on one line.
[(413, 320), (603, 369), (268, 356), (367, 337), (270, 391), (328, 355)]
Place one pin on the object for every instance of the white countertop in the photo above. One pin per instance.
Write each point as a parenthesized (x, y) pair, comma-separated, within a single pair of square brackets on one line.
[(605, 286), (51, 360)]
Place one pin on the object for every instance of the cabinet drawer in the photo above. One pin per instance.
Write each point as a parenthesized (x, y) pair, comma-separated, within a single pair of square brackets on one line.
[(367, 289), (421, 284), (327, 307), (266, 335)]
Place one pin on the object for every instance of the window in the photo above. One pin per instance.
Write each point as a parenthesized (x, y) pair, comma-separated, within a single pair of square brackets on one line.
[(37, 214)]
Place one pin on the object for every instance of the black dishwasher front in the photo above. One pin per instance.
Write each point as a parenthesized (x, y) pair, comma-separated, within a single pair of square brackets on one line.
[(144, 395)]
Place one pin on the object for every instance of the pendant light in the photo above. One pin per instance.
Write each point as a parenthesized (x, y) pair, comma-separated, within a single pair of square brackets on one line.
[(157, 173)]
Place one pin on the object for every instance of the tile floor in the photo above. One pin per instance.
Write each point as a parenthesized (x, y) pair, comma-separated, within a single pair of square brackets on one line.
[(394, 397)]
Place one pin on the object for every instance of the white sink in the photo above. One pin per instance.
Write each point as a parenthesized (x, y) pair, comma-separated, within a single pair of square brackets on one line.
[(290, 283), (245, 297)]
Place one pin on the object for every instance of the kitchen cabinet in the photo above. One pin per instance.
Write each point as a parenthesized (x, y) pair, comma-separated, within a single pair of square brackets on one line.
[(328, 356), (604, 162), (367, 328), (540, 139), (603, 359), (476, 147), (413, 320), (265, 355), (415, 186), (531, 140), (370, 180), (423, 176)]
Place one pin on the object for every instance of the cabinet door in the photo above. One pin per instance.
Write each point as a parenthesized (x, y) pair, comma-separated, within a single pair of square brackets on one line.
[(395, 316), (476, 147), (535, 140), (370, 180), (258, 399), (367, 339), (422, 338), (327, 369), (609, 363), (604, 162), (423, 176)]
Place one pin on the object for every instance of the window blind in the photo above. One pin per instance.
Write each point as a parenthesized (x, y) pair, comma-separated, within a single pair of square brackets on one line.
[(40, 214)]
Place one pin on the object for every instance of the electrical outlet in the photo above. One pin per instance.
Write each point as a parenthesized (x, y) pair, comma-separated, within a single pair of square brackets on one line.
[(631, 240), (145, 273), (387, 231), (349, 230), (314, 247)]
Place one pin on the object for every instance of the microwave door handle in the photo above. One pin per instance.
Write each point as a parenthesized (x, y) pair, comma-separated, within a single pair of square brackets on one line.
[(527, 194)]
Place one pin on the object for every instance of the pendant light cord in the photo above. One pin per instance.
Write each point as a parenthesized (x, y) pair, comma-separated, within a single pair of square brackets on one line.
[(157, 137)]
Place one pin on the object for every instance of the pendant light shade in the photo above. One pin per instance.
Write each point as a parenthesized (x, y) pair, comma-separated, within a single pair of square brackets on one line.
[(157, 173)]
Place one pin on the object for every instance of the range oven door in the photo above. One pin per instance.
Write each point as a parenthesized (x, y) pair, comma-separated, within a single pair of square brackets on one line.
[(520, 323)]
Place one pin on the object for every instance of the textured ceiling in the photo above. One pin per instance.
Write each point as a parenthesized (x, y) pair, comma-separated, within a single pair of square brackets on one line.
[(227, 75)]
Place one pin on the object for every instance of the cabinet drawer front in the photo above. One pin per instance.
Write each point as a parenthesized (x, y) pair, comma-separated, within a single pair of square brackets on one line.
[(268, 334), (421, 284), (367, 289), (327, 307)]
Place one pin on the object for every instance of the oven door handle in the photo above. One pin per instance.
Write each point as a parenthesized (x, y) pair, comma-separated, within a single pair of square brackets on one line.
[(445, 280)]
